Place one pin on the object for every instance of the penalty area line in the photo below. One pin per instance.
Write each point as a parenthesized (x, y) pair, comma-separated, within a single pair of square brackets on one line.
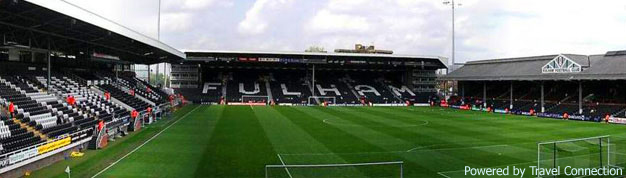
[(442, 174), (286, 169), (144, 143)]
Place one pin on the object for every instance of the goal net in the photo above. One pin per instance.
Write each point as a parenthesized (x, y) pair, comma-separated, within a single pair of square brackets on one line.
[(321, 99), (375, 169), (255, 99), (591, 152)]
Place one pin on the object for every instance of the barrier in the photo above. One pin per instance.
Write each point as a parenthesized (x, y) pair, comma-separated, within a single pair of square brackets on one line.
[(246, 104), (54, 145), (617, 120)]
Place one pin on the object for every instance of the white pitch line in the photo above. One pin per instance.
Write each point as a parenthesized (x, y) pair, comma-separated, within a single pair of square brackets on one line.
[(286, 169), (131, 152), (442, 174)]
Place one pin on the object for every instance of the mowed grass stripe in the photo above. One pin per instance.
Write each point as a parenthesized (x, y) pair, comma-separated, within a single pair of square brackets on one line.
[(286, 138), (446, 130), (338, 141), (155, 159), (456, 157), (95, 160), (239, 146), (237, 141)]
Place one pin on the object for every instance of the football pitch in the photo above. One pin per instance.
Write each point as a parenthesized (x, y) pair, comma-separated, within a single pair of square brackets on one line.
[(238, 141)]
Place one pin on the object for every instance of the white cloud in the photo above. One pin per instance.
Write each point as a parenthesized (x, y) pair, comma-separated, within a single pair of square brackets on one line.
[(176, 22), (407, 27), (326, 21), (484, 28), (193, 5), (534, 27), (258, 16)]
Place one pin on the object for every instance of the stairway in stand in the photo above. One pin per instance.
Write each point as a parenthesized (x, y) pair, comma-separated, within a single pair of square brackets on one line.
[(31, 129)]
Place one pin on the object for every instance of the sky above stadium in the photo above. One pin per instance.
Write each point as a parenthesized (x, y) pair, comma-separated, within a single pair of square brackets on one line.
[(485, 28)]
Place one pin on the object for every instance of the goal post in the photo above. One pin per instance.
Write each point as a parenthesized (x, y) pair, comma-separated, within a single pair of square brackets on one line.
[(320, 99), (590, 152), (255, 99), (370, 169)]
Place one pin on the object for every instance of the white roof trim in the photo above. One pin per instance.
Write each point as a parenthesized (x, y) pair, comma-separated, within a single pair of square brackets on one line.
[(79, 13), (573, 66)]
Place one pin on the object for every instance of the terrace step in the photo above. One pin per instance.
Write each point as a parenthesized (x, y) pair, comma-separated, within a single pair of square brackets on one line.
[(31, 129)]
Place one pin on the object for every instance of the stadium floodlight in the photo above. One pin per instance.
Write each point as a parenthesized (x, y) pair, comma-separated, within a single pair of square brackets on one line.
[(383, 169), (590, 152), (453, 5)]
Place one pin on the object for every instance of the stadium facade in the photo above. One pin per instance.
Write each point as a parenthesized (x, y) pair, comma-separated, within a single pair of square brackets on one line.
[(294, 78), (582, 87)]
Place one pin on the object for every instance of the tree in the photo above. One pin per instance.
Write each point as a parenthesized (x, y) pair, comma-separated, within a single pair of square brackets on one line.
[(315, 49)]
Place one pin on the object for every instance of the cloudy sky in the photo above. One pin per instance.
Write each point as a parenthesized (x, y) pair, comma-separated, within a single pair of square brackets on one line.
[(484, 28)]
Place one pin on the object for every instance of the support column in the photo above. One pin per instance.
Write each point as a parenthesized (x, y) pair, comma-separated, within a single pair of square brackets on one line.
[(157, 75), (49, 68), (313, 80), (165, 75), (543, 109), (580, 97), (149, 72), (463, 91), (484, 94), (511, 97), (445, 90)]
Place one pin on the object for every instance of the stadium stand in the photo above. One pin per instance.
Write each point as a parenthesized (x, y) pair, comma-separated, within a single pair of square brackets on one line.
[(289, 79), (587, 88)]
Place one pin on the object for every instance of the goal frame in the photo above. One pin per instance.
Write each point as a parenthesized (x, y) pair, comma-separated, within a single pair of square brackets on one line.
[(267, 98), (287, 166), (321, 97), (599, 138)]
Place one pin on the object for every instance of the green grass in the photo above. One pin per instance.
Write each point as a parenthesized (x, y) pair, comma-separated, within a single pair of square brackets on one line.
[(238, 141)]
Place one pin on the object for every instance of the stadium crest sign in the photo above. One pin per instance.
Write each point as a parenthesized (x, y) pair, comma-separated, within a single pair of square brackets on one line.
[(561, 64)]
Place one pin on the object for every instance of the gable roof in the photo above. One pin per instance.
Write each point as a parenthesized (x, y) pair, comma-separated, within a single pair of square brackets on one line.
[(595, 67)]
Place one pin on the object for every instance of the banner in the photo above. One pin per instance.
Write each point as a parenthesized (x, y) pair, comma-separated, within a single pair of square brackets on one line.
[(263, 59), (23, 155), (54, 145), (578, 117), (550, 115), (247, 104), (617, 120), (81, 136), (421, 104), (4, 162), (388, 104), (501, 111)]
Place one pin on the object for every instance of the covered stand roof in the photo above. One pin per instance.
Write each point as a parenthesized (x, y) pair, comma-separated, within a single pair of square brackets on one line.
[(609, 66), (67, 28), (435, 62)]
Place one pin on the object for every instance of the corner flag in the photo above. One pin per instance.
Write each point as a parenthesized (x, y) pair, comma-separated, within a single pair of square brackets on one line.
[(67, 170)]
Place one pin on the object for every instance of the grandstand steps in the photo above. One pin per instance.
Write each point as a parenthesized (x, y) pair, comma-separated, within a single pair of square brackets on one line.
[(346, 81), (526, 95), (268, 90), (504, 95), (31, 129), (620, 113), (225, 83), (98, 91)]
